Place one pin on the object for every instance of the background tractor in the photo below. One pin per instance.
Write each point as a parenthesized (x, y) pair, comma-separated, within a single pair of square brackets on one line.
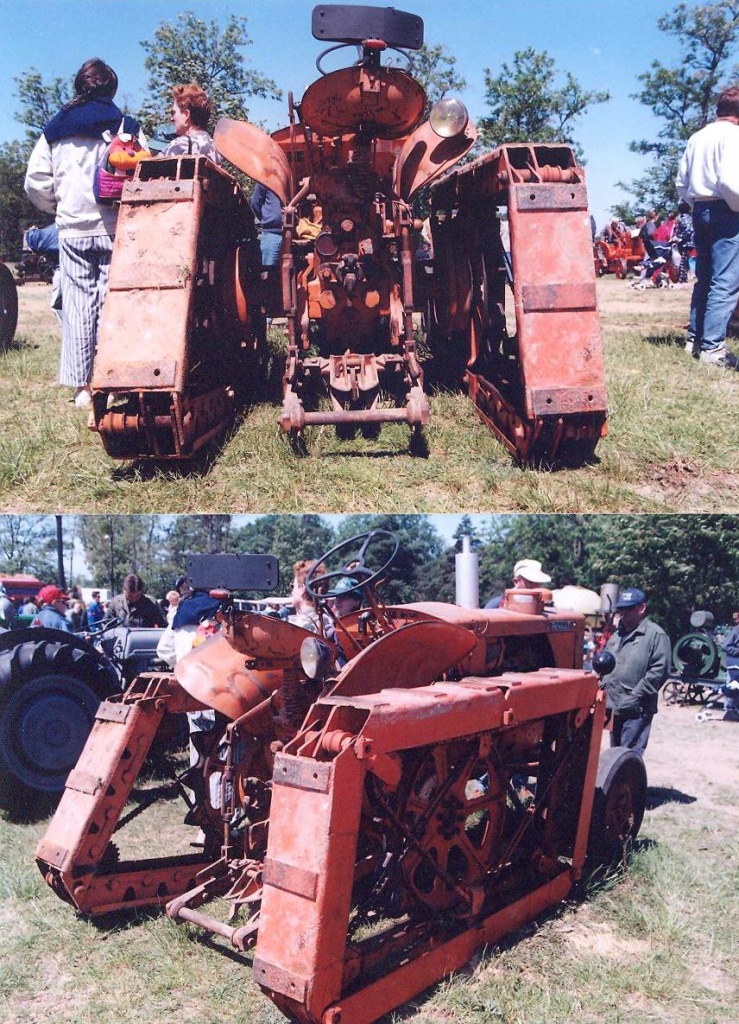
[(8, 306), (51, 684)]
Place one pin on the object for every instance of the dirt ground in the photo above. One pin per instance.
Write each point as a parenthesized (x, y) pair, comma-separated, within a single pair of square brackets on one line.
[(698, 759), (667, 309)]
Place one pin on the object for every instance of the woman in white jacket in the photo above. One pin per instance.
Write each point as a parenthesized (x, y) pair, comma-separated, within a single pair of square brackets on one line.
[(59, 180)]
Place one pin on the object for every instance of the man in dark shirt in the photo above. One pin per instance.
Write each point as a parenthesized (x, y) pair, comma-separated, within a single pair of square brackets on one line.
[(643, 658), (133, 607)]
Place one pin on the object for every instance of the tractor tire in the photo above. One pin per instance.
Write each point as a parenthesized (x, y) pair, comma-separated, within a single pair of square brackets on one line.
[(618, 805), (49, 694), (8, 307)]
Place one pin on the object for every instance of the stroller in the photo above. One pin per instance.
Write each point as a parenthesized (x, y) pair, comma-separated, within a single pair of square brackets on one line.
[(660, 268), (40, 257)]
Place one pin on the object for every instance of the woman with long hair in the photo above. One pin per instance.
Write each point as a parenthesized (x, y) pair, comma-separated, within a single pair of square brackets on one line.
[(59, 180)]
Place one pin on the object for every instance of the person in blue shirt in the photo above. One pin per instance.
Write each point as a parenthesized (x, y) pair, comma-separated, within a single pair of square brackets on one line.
[(268, 211), (94, 613), (53, 613)]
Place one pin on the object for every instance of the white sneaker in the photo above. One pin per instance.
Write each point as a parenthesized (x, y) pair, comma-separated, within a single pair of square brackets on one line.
[(690, 347), (720, 357), (83, 398)]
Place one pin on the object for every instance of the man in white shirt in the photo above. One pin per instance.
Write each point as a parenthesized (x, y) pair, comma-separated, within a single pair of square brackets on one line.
[(708, 179)]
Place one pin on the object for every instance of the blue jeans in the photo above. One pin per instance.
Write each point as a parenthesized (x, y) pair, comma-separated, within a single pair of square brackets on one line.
[(631, 732), (716, 287), (270, 243)]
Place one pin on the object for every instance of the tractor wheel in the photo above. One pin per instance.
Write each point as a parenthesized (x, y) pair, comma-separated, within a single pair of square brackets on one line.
[(621, 268), (618, 806), (8, 307), (48, 703)]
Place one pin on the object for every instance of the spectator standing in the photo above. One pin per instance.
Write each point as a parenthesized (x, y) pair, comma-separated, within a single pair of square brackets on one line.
[(53, 609), (59, 180), (94, 613), (268, 211), (133, 607), (708, 180), (684, 239), (643, 656), (8, 611)]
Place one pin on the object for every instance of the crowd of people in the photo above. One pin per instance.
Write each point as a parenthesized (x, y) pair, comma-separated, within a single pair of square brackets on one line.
[(704, 228), (60, 181), (662, 250)]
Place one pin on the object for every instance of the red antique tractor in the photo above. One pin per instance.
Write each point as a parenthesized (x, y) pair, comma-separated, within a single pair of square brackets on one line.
[(355, 288), (623, 253), (379, 798)]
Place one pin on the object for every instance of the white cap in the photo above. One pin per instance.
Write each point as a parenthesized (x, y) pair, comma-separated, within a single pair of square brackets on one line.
[(531, 570)]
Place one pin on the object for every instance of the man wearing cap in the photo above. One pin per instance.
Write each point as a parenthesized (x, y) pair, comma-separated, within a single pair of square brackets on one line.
[(53, 614), (643, 656), (347, 597), (527, 575)]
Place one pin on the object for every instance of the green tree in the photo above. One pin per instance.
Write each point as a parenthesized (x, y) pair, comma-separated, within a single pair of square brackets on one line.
[(436, 71), (682, 563), (190, 49), (16, 210), (683, 96), (288, 538), (40, 100), (28, 545), (526, 106), (117, 545)]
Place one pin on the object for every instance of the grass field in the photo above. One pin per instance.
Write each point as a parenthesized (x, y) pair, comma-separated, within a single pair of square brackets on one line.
[(657, 943), (673, 441)]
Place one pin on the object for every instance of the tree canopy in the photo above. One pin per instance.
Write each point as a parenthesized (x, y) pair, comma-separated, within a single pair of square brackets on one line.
[(683, 96), (435, 69), (683, 563), (526, 106), (190, 49), (40, 100)]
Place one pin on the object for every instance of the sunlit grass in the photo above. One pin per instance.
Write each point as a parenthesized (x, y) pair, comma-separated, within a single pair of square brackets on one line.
[(673, 441)]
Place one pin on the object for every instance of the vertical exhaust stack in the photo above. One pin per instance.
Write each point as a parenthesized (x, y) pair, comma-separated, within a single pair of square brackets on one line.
[(467, 576), (608, 598)]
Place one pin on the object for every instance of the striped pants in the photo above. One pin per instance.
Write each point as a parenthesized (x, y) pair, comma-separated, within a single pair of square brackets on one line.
[(85, 266)]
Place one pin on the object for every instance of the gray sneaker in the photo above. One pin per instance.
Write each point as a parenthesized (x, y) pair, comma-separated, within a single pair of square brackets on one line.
[(720, 356), (690, 347)]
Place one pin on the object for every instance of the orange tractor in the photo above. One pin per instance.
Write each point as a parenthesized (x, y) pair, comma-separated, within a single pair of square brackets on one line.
[(618, 256), (378, 799), (509, 315)]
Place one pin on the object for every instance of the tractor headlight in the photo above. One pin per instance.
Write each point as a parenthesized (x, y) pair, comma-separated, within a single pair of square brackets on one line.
[(448, 117), (316, 657)]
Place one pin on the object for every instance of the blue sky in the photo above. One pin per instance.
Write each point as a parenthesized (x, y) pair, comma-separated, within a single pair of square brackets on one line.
[(604, 44)]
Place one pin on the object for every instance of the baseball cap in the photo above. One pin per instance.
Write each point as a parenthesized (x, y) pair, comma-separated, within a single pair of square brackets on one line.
[(50, 593), (630, 597), (346, 585), (531, 570)]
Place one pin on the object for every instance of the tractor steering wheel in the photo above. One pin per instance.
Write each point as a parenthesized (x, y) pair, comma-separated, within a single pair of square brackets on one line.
[(360, 56), (354, 566)]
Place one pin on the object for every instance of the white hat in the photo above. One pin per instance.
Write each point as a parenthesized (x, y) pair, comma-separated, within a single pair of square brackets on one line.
[(531, 570)]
